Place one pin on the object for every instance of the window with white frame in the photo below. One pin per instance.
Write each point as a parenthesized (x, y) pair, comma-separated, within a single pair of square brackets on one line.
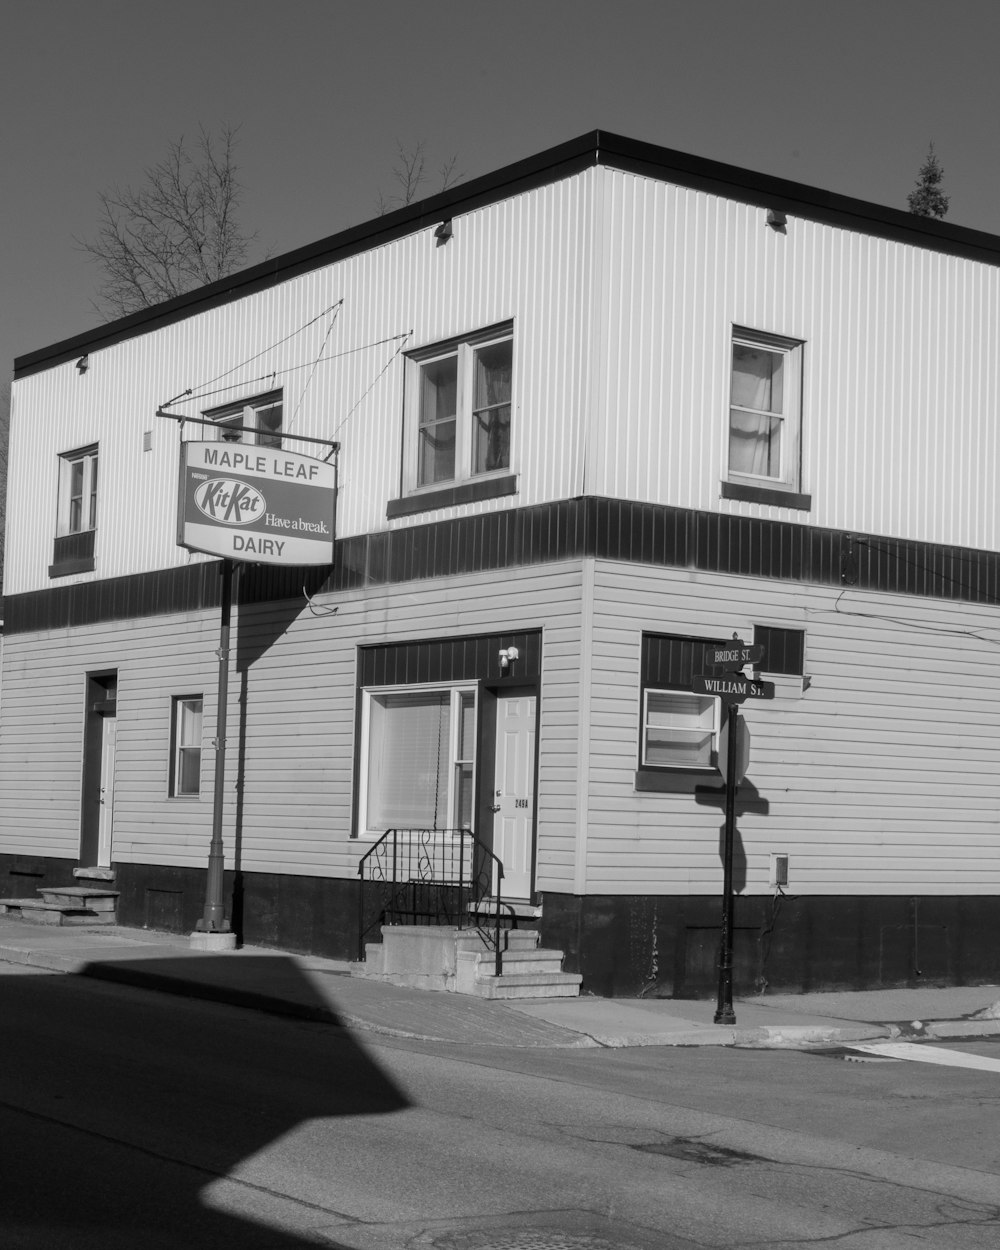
[(459, 410), (765, 411), (679, 730), (185, 764), (256, 420), (77, 492), (418, 758)]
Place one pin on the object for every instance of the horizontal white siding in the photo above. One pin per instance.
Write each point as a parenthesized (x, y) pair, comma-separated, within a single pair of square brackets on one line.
[(522, 259), (291, 728), (882, 778), (900, 363)]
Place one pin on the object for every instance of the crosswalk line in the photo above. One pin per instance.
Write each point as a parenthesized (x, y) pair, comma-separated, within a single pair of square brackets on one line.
[(921, 1053)]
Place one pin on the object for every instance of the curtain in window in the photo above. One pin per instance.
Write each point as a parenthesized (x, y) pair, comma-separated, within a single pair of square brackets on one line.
[(438, 421), (755, 415), (491, 408), (408, 760)]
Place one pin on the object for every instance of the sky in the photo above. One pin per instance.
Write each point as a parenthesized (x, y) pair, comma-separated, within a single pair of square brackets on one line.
[(840, 94)]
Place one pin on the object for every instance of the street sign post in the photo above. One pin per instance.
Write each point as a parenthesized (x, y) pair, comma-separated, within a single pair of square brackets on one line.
[(731, 685), (742, 752)]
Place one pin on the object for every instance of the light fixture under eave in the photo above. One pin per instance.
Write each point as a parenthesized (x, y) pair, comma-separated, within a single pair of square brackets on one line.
[(442, 231), (776, 219), (83, 364)]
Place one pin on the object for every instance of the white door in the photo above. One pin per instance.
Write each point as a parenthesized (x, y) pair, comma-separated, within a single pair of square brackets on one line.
[(514, 793), (106, 817)]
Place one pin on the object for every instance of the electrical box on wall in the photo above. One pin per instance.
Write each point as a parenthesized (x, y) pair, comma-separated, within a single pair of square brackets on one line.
[(779, 870)]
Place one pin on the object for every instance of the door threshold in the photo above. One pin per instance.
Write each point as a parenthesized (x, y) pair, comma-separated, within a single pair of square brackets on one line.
[(518, 908)]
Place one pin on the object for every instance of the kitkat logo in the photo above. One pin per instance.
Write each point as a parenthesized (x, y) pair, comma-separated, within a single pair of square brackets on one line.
[(231, 502)]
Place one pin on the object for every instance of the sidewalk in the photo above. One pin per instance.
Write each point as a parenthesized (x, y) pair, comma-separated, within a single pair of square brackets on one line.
[(306, 987)]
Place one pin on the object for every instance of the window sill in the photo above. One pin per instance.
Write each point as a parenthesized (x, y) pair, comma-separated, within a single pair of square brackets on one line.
[(446, 497), (766, 494), (675, 780)]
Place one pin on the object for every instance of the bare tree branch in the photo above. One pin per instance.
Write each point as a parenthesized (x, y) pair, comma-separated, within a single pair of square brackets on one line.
[(179, 230), (409, 173)]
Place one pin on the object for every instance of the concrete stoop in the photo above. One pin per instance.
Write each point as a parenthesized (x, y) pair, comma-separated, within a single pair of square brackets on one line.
[(458, 961), (91, 902)]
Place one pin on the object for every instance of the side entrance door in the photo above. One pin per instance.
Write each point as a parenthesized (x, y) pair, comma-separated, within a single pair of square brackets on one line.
[(514, 793), (98, 797), (105, 819)]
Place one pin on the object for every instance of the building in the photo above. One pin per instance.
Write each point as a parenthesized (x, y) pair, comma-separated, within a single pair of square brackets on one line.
[(597, 412)]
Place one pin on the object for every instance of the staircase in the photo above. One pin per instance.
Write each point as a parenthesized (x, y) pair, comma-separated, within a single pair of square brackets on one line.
[(528, 970), (460, 961), (91, 901)]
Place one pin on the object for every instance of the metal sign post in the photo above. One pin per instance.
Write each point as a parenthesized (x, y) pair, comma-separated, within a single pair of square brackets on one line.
[(732, 687), (213, 919), (248, 502), (724, 1013)]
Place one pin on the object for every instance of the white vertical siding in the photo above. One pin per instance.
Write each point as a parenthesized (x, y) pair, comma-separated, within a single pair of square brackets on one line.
[(623, 290), (882, 778), (522, 259), (900, 369)]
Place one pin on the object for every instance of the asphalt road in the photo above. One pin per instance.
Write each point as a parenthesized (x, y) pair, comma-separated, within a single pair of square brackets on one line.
[(132, 1119)]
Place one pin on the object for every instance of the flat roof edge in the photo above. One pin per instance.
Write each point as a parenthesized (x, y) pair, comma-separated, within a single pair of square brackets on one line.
[(594, 148)]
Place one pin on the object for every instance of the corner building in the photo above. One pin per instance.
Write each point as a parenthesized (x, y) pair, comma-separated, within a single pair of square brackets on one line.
[(597, 412)]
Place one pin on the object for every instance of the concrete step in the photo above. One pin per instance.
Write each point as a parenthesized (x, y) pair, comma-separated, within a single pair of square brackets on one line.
[(510, 909), (528, 985), (103, 878), (80, 896), (37, 911), (531, 961)]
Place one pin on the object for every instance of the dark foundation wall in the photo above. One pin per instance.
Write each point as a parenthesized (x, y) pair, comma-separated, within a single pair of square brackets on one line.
[(22, 875), (663, 947), (310, 915)]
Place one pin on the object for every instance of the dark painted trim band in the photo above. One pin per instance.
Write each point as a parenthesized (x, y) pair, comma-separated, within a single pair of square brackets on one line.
[(766, 495), (608, 529), (448, 496), (598, 147)]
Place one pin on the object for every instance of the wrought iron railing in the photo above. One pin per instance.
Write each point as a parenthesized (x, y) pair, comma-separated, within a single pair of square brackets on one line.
[(431, 876)]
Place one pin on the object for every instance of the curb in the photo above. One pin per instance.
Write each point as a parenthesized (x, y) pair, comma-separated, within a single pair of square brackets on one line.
[(760, 1037)]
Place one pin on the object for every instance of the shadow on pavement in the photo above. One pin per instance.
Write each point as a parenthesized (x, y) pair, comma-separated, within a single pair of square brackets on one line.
[(119, 1110)]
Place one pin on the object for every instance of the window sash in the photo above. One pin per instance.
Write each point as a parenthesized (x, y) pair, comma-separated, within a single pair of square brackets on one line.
[(77, 511), (679, 729), (764, 409), (262, 417), (418, 765), (459, 412), (188, 712)]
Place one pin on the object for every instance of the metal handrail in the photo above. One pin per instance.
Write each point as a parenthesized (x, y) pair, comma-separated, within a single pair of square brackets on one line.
[(428, 876)]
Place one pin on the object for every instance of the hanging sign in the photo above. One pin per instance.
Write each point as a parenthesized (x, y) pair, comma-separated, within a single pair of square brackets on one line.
[(258, 504)]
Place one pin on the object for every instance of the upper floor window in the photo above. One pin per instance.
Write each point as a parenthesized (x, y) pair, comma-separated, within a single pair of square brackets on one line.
[(765, 414), (252, 421), (459, 409), (76, 513), (77, 492)]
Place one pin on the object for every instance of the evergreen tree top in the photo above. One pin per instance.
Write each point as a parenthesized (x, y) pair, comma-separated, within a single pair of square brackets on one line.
[(927, 198)]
